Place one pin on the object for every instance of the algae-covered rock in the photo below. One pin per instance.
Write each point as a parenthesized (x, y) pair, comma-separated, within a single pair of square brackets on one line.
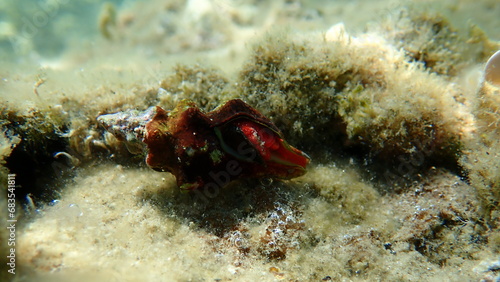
[(204, 85), (361, 91), (428, 38)]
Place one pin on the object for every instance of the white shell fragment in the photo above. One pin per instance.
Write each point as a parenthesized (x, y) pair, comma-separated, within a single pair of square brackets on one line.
[(337, 32), (492, 69)]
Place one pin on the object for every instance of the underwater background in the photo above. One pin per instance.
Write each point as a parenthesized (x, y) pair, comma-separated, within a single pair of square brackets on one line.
[(389, 99)]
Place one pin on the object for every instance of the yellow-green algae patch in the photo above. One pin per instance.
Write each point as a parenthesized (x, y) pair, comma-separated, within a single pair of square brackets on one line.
[(112, 228), (363, 89), (111, 216)]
